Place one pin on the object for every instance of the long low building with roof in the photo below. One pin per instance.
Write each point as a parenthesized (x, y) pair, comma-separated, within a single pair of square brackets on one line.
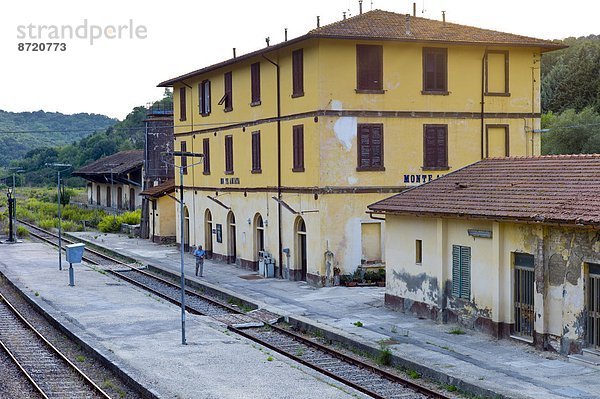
[(115, 181), (510, 246)]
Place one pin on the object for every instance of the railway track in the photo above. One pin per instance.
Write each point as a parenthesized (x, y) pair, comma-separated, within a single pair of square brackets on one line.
[(352, 371), (49, 372)]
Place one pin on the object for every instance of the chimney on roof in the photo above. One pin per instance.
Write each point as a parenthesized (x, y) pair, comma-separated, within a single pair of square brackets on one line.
[(285, 34), (407, 25), (318, 21), (414, 9), (267, 39), (360, 6), (444, 17), (234, 52)]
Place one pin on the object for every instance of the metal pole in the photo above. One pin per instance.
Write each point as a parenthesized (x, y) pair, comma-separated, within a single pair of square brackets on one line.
[(181, 220), (11, 233), (112, 194), (14, 198), (59, 225)]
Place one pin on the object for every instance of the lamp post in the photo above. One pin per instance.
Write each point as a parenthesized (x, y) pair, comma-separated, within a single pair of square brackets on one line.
[(14, 192), (11, 205), (60, 167), (181, 222)]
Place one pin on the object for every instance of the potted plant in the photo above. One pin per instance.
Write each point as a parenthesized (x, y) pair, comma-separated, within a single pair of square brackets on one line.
[(381, 281)]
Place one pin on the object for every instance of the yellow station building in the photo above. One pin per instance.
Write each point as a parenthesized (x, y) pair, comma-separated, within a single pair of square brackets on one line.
[(299, 137)]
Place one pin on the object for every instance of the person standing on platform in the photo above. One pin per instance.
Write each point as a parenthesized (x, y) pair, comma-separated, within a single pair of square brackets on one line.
[(199, 253)]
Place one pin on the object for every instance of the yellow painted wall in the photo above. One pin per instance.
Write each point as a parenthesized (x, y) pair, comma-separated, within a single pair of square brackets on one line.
[(163, 217), (330, 148)]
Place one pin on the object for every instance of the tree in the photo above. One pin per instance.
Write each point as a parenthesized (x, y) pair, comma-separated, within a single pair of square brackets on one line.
[(571, 132)]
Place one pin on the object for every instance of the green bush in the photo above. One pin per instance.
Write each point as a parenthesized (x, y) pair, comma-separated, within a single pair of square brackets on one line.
[(22, 232), (109, 224), (133, 217), (48, 224)]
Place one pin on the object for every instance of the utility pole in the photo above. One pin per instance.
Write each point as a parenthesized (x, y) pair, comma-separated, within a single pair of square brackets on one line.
[(112, 189), (60, 167), (14, 192), (181, 222)]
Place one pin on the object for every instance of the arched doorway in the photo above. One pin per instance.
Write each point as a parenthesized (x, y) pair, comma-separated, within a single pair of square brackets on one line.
[(231, 244), (120, 198), (208, 244), (186, 229), (300, 238), (108, 197), (132, 199), (259, 236)]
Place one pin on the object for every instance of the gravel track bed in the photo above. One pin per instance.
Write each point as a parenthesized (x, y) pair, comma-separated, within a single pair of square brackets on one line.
[(13, 384), (199, 304), (93, 368)]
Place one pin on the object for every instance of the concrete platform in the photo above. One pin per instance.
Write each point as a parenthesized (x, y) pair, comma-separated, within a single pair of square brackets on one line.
[(472, 361), (141, 334)]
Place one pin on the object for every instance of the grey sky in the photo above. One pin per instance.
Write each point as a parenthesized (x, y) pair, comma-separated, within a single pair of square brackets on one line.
[(113, 75)]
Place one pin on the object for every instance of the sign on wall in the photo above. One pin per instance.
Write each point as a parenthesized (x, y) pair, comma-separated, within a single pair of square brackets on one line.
[(219, 232)]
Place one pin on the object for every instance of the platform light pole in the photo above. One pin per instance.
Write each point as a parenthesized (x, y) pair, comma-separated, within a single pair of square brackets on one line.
[(60, 167), (181, 168), (15, 170), (11, 207)]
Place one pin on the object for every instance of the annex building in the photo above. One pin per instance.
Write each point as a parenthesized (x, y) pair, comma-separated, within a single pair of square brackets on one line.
[(299, 137), (509, 246), (115, 181)]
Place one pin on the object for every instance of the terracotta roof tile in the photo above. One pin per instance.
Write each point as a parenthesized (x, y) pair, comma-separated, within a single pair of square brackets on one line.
[(547, 189), (163, 188), (120, 162), (386, 25)]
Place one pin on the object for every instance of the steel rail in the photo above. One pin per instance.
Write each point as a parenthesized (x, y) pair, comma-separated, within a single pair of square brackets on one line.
[(52, 349), (23, 371), (393, 378)]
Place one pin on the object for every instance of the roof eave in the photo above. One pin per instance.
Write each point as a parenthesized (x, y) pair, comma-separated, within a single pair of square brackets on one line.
[(555, 222)]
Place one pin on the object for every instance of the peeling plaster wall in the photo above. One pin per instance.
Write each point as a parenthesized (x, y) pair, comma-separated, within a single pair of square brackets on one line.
[(561, 256)]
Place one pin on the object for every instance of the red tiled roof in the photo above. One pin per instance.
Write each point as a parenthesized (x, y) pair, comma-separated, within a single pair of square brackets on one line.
[(163, 188), (386, 25), (546, 189), (120, 162)]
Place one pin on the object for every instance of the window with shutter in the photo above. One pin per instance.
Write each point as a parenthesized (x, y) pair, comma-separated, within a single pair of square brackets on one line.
[(256, 167), (370, 147), (435, 147), (255, 83), (228, 97), (298, 148), (297, 73), (369, 68), (229, 155), (206, 153), (184, 159), (461, 272), (182, 104), (204, 97), (435, 70)]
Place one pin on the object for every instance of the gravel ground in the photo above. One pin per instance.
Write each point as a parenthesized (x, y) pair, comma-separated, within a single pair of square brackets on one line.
[(13, 383), (103, 377)]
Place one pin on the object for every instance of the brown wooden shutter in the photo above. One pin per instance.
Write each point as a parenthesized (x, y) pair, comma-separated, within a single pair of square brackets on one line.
[(255, 82), (370, 146), (229, 154), (436, 146), (228, 92), (206, 153), (182, 104), (256, 161), (369, 67), (205, 98), (298, 148), (435, 69), (297, 73), (184, 159)]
